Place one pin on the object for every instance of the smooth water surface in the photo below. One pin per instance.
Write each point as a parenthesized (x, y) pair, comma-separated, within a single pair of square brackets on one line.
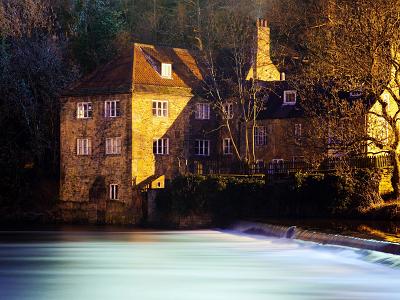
[(202, 265)]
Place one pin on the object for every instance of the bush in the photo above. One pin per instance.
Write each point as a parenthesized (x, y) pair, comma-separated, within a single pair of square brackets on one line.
[(219, 196), (341, 193), (305, 195)]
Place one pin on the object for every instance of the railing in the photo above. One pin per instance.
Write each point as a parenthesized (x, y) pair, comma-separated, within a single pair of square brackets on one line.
[(280, 167)]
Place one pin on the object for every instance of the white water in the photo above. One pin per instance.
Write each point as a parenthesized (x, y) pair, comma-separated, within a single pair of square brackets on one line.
[(204, 265)]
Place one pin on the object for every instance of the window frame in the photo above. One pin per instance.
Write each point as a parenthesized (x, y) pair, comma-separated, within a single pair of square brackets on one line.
[(202, 111), (276, 166), (166, 67), (160, 108), (114, 144), (114, 191), (227, 145), (285, 97), (108, 110), (81, 113), (200, 148), (161, 146), (228, 110), (260, 134), (83, 146)]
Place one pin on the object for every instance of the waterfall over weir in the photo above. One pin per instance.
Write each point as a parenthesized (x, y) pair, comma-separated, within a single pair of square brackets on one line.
[(293, 232), (120, 263)]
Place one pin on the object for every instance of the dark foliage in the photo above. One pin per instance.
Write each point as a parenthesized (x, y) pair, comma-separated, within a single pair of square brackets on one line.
[(227, 198)]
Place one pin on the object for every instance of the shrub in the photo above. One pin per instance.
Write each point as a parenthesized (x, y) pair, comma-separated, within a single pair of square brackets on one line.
[(216, 195), (305, 195)]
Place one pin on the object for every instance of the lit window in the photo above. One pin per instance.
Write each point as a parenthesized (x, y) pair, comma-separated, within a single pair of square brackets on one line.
[(227, 146), (202, 147), (160, 108), (111, 109), (161, 146), (83, 146), (202, 111), (113, 145), (84, 110), (114, 191), (166, 70), (260, 136), (228, 111), (289, 97)]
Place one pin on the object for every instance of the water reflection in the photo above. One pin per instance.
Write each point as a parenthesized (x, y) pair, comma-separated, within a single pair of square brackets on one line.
[(145, 265)]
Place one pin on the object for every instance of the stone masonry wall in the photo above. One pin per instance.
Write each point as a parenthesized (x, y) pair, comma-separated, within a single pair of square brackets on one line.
[(87, 178), (281, 141), (147, 167)]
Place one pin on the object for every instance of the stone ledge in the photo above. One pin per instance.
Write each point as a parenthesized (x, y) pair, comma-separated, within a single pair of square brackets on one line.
[(316, 237)]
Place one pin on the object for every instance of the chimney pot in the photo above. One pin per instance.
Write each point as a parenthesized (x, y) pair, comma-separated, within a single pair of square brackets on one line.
[(262, 22)]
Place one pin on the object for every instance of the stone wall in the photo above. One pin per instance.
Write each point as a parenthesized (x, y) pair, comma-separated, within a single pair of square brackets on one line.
[(87, 178), (180, 127), (281, 140), (147, 167)]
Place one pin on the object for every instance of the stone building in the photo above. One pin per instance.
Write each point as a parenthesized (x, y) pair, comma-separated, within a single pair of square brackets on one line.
[(130, 125), (139, 121)]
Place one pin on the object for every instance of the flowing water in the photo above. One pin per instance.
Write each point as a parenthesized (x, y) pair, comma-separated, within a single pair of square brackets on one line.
[(206, 265)]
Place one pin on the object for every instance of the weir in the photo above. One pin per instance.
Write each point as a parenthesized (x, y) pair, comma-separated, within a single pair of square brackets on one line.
[(294, 232)]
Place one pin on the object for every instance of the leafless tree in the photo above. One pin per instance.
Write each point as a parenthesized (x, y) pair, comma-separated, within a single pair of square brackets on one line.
[(228, 42), (351, 78)]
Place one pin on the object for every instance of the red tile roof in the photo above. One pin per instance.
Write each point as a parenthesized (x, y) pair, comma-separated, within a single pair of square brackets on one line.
[(116, 76)]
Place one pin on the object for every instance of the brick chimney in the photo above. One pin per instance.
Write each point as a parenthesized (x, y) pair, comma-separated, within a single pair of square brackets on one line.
[(263, 68)]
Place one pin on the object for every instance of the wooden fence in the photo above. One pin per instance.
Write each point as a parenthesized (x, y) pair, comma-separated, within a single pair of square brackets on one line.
[(280, 167)]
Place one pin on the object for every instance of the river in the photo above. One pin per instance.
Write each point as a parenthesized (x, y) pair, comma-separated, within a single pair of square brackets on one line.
[(114, 263)]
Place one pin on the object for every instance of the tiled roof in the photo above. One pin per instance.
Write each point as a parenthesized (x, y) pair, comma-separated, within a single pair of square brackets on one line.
[(116, 76), (111, 78), (185, 67)]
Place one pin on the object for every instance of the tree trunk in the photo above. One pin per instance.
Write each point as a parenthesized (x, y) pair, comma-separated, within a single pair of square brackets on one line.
[(396, 175)]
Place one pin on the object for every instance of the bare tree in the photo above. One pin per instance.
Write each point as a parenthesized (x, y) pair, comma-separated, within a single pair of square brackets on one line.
[(229, 41), (351, 78)]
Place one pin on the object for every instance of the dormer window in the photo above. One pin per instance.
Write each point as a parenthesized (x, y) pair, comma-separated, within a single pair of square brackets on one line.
[(166, 70), (356, 94), (289, 97)]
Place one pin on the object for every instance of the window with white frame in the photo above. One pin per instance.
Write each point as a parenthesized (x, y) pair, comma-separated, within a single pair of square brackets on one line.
[(84, 110), (227, 146), (289, 97), (260, 136), (202, 111), (356, 94), (228, 110), (112, 109), (161, 146), (113, 145), (114, 191), (160, 108), (202, 147), (277, 166), (83, 146), (166, 70)]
